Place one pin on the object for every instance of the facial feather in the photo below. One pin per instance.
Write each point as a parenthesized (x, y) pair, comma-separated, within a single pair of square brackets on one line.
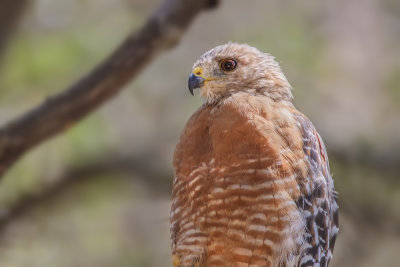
[(256, 72)]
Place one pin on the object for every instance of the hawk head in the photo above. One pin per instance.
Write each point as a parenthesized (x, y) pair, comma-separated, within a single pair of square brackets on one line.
[(234, 67)]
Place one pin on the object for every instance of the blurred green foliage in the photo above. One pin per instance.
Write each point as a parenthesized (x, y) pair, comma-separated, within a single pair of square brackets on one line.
[(393, 86)]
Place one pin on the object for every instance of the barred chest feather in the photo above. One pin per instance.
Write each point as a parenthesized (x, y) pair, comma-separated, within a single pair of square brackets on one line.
[(240, 169)]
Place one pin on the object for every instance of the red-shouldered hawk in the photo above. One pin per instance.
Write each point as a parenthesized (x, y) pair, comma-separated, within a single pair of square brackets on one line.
[(252, 185)]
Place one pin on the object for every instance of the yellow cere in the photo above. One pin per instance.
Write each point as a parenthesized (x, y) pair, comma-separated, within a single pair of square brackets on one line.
[(198, 71)]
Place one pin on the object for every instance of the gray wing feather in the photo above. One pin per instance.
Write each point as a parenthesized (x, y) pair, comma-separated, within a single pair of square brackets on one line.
[(318, 202)]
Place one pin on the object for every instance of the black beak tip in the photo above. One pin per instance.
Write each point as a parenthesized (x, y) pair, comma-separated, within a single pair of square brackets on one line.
[(194, 82), (190, 88)]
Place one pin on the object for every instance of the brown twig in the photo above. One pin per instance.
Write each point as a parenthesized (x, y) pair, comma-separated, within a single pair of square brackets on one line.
[(162, 31), (141, 169)]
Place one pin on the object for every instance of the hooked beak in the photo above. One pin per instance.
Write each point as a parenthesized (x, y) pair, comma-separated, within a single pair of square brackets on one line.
[(195, 82)]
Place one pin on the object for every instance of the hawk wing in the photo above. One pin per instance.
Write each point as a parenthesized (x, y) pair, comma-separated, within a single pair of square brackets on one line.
[(249, 180), (318, 201)]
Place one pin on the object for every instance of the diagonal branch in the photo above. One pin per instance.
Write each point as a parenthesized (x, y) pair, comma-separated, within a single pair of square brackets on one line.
[(161, 32), (141, 169)]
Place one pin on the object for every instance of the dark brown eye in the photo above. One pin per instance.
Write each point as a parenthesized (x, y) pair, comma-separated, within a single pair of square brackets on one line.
[(228, 64)]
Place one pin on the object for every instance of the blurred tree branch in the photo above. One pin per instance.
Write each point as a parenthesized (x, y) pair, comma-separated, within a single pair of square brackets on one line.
[(158, 180), (161, 32), (142, 169), (10, 13)]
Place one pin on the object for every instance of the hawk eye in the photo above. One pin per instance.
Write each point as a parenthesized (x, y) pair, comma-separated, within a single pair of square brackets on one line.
[(228, 64)]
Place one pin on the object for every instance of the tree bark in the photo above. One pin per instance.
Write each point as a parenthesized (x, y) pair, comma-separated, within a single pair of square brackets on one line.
[(161, 32), (140, 169)]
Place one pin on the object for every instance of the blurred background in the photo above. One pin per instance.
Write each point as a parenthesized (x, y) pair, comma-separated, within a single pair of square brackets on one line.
[(99, 194)]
